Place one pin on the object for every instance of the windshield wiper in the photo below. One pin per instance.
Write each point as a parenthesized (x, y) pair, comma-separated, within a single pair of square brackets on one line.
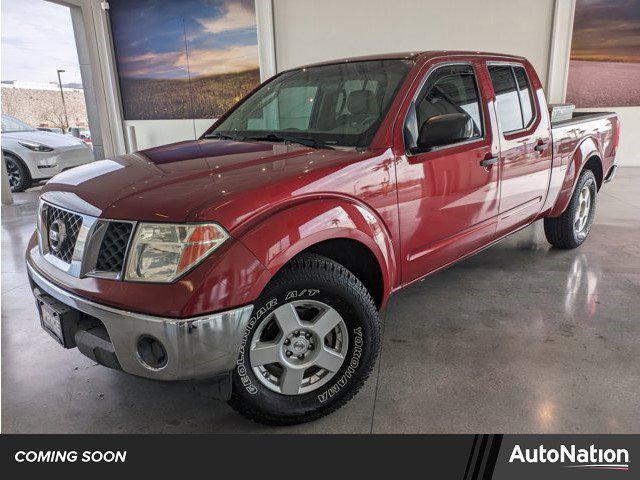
[(276, 137), (226, 136)]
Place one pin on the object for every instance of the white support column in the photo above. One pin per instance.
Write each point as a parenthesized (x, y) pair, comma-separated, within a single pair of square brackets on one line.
[(560, 50), (97, 39), (106, 63), (266, 40)]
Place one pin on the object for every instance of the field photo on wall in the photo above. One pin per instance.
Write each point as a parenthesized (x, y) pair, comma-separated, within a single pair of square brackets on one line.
[(604, 70), (187, 59)]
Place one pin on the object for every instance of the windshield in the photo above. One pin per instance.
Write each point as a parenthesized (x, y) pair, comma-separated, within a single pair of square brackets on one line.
[(341, 104), (12, 124)]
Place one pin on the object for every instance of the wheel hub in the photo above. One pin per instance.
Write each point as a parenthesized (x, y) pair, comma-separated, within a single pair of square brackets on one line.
[(299, 345)]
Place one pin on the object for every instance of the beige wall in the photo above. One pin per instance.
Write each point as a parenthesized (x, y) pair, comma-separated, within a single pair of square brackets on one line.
[(309, 30), (628, 154)]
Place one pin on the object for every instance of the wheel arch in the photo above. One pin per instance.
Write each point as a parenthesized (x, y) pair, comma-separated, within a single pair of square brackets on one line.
[(594, 163), (356, 257), (343, 230), (13, 154), (29, 174), (587, 156)]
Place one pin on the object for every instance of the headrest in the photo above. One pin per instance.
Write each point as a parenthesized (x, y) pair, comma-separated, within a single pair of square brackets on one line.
[(361, 102)]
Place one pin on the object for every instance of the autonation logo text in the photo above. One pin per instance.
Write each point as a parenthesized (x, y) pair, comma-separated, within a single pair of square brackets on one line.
[(573, 457)]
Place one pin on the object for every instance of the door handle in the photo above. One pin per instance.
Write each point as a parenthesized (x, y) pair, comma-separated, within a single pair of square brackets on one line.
[(487, 162), (541, 146)]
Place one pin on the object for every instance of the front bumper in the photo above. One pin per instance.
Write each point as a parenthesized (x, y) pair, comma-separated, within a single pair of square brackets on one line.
[(43, 166), (198, 347)]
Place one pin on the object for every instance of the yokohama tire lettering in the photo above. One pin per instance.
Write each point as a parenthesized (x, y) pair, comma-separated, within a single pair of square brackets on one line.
[(348, 373)]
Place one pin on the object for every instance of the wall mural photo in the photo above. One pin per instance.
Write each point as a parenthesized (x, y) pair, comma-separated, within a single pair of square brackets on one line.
[(187, 59), (604, 70)]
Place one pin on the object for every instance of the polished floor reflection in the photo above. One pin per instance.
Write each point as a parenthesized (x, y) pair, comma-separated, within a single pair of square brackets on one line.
[(520, 338)]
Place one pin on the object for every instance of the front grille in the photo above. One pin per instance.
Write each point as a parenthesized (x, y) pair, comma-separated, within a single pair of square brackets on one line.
[(114, 247), (62, 249)]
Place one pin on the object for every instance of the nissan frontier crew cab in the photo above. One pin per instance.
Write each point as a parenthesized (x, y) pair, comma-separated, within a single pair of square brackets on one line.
[(258, 256)]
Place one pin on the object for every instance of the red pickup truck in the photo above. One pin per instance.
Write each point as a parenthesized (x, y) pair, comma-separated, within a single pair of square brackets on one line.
[(258, 256)]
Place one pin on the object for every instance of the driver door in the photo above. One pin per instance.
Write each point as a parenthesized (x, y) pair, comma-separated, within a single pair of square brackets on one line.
[(448, 198)]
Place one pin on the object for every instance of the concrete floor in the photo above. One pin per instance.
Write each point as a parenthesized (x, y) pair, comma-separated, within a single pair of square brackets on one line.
[(519, 338)]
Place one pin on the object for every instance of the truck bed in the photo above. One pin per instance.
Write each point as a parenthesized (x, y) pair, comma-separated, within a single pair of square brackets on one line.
[(580, 117), (587, 131)]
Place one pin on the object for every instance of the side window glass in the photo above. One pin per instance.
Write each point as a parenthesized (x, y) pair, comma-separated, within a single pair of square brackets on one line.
[(507, 99), (448, 90), (526, 96)]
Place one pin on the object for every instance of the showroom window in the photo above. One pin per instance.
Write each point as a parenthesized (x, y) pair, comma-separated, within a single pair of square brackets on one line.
[(514, 101), (450, 89)]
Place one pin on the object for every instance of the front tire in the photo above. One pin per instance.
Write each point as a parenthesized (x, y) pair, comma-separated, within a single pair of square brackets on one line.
[(19, 177), (310, 344), (571, 229)]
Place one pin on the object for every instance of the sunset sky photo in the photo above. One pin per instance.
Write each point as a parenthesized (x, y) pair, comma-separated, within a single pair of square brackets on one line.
[(166, 49), (604, 70)]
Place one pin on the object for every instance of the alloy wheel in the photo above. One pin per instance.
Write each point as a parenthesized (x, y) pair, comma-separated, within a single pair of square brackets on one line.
[(299, 347), (583, 211)]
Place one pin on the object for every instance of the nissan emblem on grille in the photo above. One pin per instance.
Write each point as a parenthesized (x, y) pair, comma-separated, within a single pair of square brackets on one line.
[(57, 235), (60, 231)]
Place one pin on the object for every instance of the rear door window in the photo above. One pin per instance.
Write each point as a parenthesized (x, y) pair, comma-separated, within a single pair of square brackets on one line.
[(514, 98), (507, 98), (526, 96)]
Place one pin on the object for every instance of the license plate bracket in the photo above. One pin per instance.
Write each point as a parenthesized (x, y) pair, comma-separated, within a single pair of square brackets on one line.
[(57, 319)]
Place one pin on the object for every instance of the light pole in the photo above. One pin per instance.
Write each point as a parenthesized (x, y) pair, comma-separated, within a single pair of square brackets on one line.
[(64, 105)]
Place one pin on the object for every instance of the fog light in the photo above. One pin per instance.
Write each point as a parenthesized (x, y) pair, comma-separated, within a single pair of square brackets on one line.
[(152, 352)]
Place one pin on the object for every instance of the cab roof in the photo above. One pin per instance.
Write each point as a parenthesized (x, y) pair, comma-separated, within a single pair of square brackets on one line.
[(415, 56)]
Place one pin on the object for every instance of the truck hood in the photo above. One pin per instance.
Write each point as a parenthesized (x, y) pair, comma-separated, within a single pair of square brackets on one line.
[(205, 180)]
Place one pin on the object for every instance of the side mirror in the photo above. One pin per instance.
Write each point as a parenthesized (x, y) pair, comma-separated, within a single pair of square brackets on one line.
[(444, 130)]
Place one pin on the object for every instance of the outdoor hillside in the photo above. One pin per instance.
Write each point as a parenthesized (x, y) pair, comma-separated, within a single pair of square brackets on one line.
[(43, 108), (152, 99)]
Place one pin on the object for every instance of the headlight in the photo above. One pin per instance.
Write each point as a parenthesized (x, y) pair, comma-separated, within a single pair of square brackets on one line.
[(36, 147), (162, 252)]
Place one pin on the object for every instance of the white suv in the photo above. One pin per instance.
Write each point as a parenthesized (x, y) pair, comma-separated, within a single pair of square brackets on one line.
[(32, 155)]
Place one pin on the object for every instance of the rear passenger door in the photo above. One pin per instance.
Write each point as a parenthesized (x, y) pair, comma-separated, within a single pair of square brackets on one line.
[(525, 144)]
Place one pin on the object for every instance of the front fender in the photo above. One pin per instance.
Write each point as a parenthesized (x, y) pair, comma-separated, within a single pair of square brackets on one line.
[(587, 149), (279, 237)]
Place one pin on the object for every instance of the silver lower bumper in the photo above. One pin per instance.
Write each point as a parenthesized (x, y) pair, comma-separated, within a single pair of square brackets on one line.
[(198, 347)]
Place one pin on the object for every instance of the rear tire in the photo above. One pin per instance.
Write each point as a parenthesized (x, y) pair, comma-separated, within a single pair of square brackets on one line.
[(289, 370), (571, 229), (19, 177)]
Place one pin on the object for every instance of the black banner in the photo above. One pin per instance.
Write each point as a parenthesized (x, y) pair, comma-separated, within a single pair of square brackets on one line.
[(460, 457)]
